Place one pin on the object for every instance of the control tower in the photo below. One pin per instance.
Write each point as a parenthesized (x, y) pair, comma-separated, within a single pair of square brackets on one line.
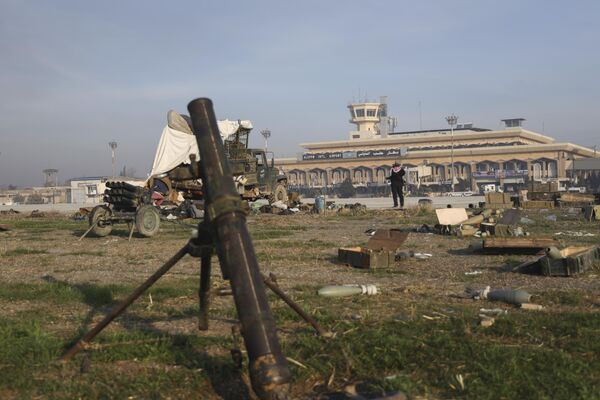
[(370, 118)]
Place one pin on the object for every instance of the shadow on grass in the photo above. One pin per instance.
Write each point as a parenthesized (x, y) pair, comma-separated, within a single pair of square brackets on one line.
[(225, 379), (117, 232)]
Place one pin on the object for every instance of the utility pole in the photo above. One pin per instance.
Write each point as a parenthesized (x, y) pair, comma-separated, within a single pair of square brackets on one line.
[(113, 147), (452, 119)]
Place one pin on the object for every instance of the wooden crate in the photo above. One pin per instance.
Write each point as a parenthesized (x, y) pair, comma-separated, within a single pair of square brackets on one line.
[(497, 198), (362, 257), (499, 206), (537, 204), (543, 187), (496, 243), (380, 251)]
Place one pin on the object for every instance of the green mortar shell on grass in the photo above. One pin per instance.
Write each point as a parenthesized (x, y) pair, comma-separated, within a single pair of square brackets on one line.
[(510, 296)]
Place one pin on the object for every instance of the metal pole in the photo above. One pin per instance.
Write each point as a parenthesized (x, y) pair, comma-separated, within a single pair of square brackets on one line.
[(452, 119), (452, 156), (113, 146)]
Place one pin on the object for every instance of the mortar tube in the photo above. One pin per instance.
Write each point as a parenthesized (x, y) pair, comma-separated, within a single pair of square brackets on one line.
[(269, 372)]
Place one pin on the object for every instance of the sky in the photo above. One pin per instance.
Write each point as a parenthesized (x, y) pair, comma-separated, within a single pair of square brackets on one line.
[(75, 75)]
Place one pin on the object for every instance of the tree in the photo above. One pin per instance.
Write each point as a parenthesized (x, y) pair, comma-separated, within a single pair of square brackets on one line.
[(18, 198), (346, 189), (35, 199)]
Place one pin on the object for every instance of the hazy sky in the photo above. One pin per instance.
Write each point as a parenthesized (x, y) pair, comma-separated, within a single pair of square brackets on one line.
[(75, 75)]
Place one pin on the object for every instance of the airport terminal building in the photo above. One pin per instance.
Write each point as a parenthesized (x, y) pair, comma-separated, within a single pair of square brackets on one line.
[(509, 157)]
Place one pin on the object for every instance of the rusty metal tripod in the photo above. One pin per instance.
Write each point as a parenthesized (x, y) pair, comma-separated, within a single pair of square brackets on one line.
[(224, 229)]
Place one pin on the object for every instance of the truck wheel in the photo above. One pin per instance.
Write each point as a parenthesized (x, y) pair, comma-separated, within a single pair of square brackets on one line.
[(279, 194), (100, 218), (147, 220)]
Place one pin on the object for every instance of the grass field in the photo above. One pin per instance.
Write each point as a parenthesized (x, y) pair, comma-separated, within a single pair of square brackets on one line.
[(420, 335)]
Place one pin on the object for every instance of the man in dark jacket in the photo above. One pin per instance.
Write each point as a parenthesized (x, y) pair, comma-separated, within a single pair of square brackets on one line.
[(397, 179)]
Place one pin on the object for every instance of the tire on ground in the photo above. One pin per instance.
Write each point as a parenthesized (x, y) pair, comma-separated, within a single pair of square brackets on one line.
[(99, 217), (147, 220)]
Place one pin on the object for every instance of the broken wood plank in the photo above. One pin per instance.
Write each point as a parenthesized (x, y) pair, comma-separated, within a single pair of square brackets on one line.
[(519, 242)]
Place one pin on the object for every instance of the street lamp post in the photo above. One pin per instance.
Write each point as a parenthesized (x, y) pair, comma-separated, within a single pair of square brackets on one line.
[(452, 119), (266, 134), (113, 147)]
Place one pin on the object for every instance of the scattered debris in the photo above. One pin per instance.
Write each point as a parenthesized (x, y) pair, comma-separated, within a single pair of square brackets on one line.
[(474, 272), (37, 214), (526, 221), (347, 290), (9, 212), (422, 256), (352, 209), (551, 218), (370, 232), (486, 321), (493, 311), (425, 229), (531, 306), (575, 233)]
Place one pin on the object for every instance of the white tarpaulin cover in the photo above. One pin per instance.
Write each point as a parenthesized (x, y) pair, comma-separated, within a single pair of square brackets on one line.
[(227, 127), (176, 146), (173, 149)]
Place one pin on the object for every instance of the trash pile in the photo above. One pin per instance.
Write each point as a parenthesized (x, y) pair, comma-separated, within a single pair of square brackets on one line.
[(295, 205), (9, 212)]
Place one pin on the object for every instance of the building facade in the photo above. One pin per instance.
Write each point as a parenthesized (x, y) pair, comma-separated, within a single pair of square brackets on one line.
[(468, 156)]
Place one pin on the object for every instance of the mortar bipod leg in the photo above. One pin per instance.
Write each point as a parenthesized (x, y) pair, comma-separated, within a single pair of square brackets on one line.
[(81, 343), (88, 231), (272, 284), (204, 292)]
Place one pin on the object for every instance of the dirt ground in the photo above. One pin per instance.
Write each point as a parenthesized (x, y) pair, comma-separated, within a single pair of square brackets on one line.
[(298, 249)]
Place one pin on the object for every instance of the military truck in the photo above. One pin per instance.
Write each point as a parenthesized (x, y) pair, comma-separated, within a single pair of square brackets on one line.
[(254, 172), (174, 183)]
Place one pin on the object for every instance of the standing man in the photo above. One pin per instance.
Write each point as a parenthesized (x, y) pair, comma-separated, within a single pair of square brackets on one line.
[(397, 179)]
